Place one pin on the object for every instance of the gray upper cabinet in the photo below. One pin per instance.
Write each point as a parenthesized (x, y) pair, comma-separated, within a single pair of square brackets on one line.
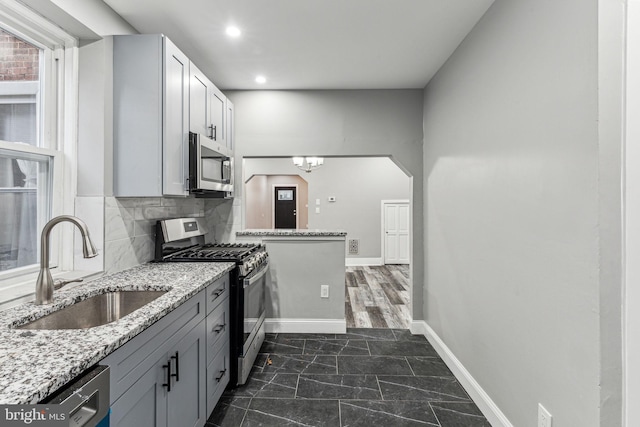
[(230, 125), (207, 104), (218, 124), (199, 102), (151, 117)]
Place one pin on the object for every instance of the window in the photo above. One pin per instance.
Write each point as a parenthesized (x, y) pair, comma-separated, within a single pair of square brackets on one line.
[(37, 78)]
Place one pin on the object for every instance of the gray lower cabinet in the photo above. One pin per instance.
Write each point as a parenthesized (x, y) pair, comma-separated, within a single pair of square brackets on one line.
[(173, 373), (153, 402)]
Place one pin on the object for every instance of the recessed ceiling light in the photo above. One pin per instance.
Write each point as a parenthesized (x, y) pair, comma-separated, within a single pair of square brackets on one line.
[(261, 79), (233, 31)]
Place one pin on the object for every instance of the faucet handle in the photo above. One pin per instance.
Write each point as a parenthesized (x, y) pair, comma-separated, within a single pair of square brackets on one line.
[(57, 284)]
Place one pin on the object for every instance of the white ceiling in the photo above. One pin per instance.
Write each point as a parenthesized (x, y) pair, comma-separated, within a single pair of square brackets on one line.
[(311, 44)]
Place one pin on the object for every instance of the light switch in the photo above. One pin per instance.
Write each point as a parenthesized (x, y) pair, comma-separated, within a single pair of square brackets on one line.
[(317, 202), (317, 210)]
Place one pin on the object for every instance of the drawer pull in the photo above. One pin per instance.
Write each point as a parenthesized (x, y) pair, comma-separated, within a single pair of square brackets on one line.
[(177, 374), (217, 293), (219, 328), (168, 383), (222, 373)]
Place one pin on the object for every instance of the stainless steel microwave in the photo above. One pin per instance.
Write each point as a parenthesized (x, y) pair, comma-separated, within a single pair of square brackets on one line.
[(210, 168)]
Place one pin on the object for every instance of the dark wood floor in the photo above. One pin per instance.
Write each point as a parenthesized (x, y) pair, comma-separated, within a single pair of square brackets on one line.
[(378, 297)]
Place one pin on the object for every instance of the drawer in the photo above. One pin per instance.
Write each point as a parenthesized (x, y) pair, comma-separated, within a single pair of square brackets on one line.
[(217, 292), (217, 328), (217, 377)]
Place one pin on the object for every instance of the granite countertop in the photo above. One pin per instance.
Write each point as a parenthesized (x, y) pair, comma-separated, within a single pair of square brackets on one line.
[(287, 232), (35, 363)]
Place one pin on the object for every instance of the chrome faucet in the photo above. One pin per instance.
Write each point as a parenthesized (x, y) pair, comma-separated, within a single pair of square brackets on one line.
[(44, 284)]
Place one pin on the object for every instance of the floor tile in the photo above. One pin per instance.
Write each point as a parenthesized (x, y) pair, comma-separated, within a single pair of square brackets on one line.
[(401, 348), (385, 377), (381, 365), (336, 347), (307, 336), (229, 412), (429, 366), (369, 334), (338, 387), (406, 335), (459, 415), (300, 364), (267, 385), (292, 412), (421, 388), (368, 413), (282, 345)]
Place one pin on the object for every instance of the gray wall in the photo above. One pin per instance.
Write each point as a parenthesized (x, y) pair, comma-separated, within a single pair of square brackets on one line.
[(358, 184), (338, 123), (511, 217)]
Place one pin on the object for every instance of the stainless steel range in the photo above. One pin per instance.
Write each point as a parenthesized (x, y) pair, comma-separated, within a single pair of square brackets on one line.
[(182, 240)]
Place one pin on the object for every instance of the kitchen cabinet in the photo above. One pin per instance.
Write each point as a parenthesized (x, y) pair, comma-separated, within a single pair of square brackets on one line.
[(172, 392), (174, 372), (218, 356), (230, 125), (158, 378), (207, 107), (150, 117)]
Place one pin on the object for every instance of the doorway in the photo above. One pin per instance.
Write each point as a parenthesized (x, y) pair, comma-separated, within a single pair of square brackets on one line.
[(396, 231), (285, 208)]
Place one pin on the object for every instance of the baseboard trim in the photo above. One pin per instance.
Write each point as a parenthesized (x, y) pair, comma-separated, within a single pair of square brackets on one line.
[(358, 262), (488, 407), (306, 326)]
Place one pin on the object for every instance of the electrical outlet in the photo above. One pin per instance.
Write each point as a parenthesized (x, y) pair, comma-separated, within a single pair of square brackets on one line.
[(544, 417), (324, 291)]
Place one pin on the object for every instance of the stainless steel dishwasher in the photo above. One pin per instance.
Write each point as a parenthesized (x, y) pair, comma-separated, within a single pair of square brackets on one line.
[(85, 399)]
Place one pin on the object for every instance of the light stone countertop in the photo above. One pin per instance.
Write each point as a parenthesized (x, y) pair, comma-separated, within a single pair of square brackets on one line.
[(293, 233), (35, 363)]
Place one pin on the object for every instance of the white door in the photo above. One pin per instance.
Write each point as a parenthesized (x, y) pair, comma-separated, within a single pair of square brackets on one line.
[(396, 232)]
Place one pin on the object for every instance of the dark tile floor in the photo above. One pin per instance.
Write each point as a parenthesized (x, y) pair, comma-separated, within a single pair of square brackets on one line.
[(366, 377)]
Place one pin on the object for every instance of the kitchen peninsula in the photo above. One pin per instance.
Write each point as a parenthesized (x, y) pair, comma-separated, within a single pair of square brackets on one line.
[(305, 288)]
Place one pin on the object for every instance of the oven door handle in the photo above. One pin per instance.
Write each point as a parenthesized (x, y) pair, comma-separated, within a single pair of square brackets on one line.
[(253, 279)]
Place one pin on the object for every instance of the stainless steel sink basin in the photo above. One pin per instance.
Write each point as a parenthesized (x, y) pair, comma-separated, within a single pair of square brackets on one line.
[(95, 311)]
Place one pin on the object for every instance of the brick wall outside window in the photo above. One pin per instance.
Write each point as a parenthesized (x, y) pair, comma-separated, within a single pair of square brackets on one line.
[(19, 60)]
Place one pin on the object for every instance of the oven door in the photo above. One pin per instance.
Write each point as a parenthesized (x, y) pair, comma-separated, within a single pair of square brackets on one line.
[(254, 289)]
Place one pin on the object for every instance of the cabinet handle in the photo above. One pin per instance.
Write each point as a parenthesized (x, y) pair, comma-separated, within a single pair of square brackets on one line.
[(214, 132), (168, 383), (218, 328), (221, 375), (217, 293), (177, 374)]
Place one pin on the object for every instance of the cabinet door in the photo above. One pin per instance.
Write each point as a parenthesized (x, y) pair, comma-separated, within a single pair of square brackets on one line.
[(230, 126), (145, 403), (217, 376), (218, 131), (199, 102), (176, 121), (186, 402)]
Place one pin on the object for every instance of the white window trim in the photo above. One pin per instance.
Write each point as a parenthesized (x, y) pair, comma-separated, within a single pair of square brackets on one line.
[(59, 133)]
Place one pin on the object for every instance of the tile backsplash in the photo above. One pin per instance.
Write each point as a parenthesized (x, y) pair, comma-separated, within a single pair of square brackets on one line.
[(129, 227)]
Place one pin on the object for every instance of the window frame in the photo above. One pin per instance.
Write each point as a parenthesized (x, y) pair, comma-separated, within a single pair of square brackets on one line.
[(57, 121)]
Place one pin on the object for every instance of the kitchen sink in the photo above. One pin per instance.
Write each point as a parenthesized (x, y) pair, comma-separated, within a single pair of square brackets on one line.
[(95, 311)]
